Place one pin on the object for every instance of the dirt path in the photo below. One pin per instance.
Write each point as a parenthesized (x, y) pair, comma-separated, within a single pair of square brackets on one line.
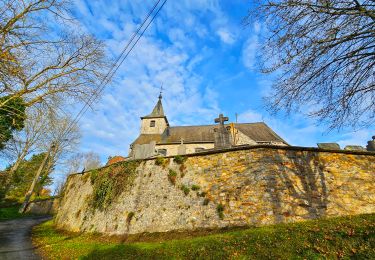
[(15, 238)]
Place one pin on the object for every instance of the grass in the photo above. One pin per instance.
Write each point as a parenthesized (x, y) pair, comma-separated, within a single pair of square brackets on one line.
[(9, 213), (344, 237)]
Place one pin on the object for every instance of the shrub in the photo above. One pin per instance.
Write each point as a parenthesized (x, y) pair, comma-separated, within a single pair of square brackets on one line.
[(185, 189), (206, 201), (179, 159), (161, 161), (172, 176), (220, 211), (195, 187)]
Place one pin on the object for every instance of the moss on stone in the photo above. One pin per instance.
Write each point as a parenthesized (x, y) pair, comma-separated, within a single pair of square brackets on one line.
[(185, 189), (195, 187), (179, 159), (172, 175), (161, 161), (220, 211)]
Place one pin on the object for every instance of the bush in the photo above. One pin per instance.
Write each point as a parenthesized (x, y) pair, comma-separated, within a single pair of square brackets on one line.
[(185, 189), (179, 159), (172, 176), (195, 187), (220, 211), (206, 201), (159, 161)]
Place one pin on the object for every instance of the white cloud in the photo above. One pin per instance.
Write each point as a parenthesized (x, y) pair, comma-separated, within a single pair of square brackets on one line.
[(226, 36), (249, 52), (250, 116), (355, 138), (153, 62)]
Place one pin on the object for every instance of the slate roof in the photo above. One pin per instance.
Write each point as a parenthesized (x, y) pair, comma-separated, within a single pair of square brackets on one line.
[(258, 132), (158, 110)]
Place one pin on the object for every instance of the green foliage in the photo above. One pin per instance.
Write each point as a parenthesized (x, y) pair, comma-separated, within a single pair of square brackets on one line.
[(220, 211), (9, 213), (161, 161), (179, 159), (130, 217), (110, 182), (172, 175), (206, 201), (185, 189), (335, 238), (12, 117), (23, 177), (195, 187)]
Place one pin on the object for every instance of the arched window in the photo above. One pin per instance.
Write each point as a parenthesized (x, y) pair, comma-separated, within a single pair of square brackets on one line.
[(152, 123), (162, 152)]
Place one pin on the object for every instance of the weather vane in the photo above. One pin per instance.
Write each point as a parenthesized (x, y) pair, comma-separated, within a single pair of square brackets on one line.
[(161, 90)]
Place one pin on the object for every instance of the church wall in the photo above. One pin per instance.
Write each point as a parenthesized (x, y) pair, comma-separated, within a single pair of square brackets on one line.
[(172, 149), (160, 126), (241, 138), (254, 186)]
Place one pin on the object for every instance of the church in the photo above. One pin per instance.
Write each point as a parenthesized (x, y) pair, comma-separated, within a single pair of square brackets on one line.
[(158, 138)]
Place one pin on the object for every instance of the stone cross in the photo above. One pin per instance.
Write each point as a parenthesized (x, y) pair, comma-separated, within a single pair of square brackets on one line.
[(221, 119), (221, 134)]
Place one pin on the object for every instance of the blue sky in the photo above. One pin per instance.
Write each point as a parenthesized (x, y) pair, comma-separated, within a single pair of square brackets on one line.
[(205, 59)]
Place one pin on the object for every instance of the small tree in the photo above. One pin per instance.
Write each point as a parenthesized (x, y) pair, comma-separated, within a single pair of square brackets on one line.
[(24, 175)]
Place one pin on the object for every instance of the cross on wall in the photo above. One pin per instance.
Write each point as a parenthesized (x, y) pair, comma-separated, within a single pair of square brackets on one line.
[(221, 119)]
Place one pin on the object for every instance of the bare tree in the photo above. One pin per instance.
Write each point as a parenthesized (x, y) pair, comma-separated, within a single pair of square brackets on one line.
[(42, 129), (86, 161), (60, 138), (324, 56), (43, 55)]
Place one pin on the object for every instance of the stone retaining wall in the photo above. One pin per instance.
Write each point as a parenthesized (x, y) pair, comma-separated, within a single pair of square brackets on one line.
[(257, 186), (43, 207)]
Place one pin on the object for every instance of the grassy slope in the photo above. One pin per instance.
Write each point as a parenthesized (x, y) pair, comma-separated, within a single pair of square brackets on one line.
[(332, 238)]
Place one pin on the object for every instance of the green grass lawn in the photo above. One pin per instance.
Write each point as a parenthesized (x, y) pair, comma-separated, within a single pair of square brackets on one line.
[(11, 213), (344, 237)]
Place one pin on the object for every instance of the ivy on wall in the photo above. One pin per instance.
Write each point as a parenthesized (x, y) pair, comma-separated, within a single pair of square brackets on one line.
[(108, 183)]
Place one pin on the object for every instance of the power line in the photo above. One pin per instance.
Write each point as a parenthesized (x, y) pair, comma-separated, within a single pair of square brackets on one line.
[(121, 58)]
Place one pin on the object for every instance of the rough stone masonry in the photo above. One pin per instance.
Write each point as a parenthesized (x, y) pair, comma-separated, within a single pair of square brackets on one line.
[(253, 186)]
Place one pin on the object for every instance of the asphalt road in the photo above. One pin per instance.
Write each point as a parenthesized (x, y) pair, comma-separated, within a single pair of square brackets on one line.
[(15, 238)]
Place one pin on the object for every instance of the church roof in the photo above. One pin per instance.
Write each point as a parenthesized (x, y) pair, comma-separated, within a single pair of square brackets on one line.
[(158, 110), (258, 132)]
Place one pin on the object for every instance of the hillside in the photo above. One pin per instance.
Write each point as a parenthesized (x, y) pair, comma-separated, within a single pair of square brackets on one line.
[(343, 237)]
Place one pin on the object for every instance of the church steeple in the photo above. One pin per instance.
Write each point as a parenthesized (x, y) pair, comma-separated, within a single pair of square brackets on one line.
[(158, 110), (156, 122)]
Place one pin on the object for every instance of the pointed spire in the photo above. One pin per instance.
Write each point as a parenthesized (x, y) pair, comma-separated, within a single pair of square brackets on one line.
[(158, 110)]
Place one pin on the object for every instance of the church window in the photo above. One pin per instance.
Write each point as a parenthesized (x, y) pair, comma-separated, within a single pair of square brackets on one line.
[(162, 152), (199, 149), (152, 123)]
